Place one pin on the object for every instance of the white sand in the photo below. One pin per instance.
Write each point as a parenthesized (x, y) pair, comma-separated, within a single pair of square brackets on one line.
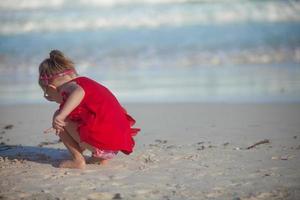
[(185, 151)]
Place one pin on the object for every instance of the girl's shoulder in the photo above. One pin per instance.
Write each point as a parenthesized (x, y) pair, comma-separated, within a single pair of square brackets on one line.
[(87, 82), (69, 87)]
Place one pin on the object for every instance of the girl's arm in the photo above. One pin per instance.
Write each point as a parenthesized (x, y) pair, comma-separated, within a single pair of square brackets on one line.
[(76, 95)]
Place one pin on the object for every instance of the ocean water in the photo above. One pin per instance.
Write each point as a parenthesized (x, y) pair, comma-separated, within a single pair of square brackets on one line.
[(156, 50)]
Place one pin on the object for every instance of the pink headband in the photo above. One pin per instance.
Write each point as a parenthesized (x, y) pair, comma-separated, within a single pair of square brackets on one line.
[(47, 78)]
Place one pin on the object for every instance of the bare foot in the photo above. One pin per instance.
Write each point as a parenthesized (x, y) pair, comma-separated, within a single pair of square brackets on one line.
[(95, 160), (73, 164)]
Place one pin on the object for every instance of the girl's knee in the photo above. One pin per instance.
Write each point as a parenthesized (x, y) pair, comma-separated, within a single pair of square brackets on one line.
[(62, 135), (71, 126), (70, 123)]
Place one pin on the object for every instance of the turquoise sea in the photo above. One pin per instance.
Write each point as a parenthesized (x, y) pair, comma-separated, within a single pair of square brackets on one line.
[(157, 50)]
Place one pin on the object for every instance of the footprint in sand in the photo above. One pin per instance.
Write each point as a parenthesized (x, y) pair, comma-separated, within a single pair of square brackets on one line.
[(100, 195), (51, 177), (81, 186), (274, 194), (217, 192)]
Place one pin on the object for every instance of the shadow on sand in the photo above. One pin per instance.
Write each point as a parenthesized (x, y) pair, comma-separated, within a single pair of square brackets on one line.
[(42, 155)]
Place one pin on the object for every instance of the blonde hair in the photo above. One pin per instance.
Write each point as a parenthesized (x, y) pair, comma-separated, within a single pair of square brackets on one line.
[(55, 64)]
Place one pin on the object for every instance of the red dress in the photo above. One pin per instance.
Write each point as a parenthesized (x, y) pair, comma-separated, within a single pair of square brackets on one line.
[(102, 121)]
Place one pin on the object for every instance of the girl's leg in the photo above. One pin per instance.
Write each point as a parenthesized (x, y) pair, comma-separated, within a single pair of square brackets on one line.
[(71, 128), (73, 147)]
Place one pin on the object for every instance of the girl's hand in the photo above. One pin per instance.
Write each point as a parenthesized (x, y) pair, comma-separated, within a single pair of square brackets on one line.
[(58, 122), (56, 131)]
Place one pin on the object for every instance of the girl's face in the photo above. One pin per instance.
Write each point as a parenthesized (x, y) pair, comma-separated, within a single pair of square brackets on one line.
[(51, 94)]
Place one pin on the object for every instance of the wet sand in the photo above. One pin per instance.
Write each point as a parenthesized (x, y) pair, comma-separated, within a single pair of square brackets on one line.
[(185, 151)]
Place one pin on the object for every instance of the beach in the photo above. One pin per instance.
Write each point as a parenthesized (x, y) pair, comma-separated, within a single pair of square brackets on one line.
[(213, 85), (184, 151)]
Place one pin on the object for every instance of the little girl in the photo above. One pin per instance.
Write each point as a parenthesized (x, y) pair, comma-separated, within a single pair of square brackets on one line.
[(89, 116)]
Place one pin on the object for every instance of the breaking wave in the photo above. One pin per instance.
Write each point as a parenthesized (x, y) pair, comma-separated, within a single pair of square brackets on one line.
[(18, 16)]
